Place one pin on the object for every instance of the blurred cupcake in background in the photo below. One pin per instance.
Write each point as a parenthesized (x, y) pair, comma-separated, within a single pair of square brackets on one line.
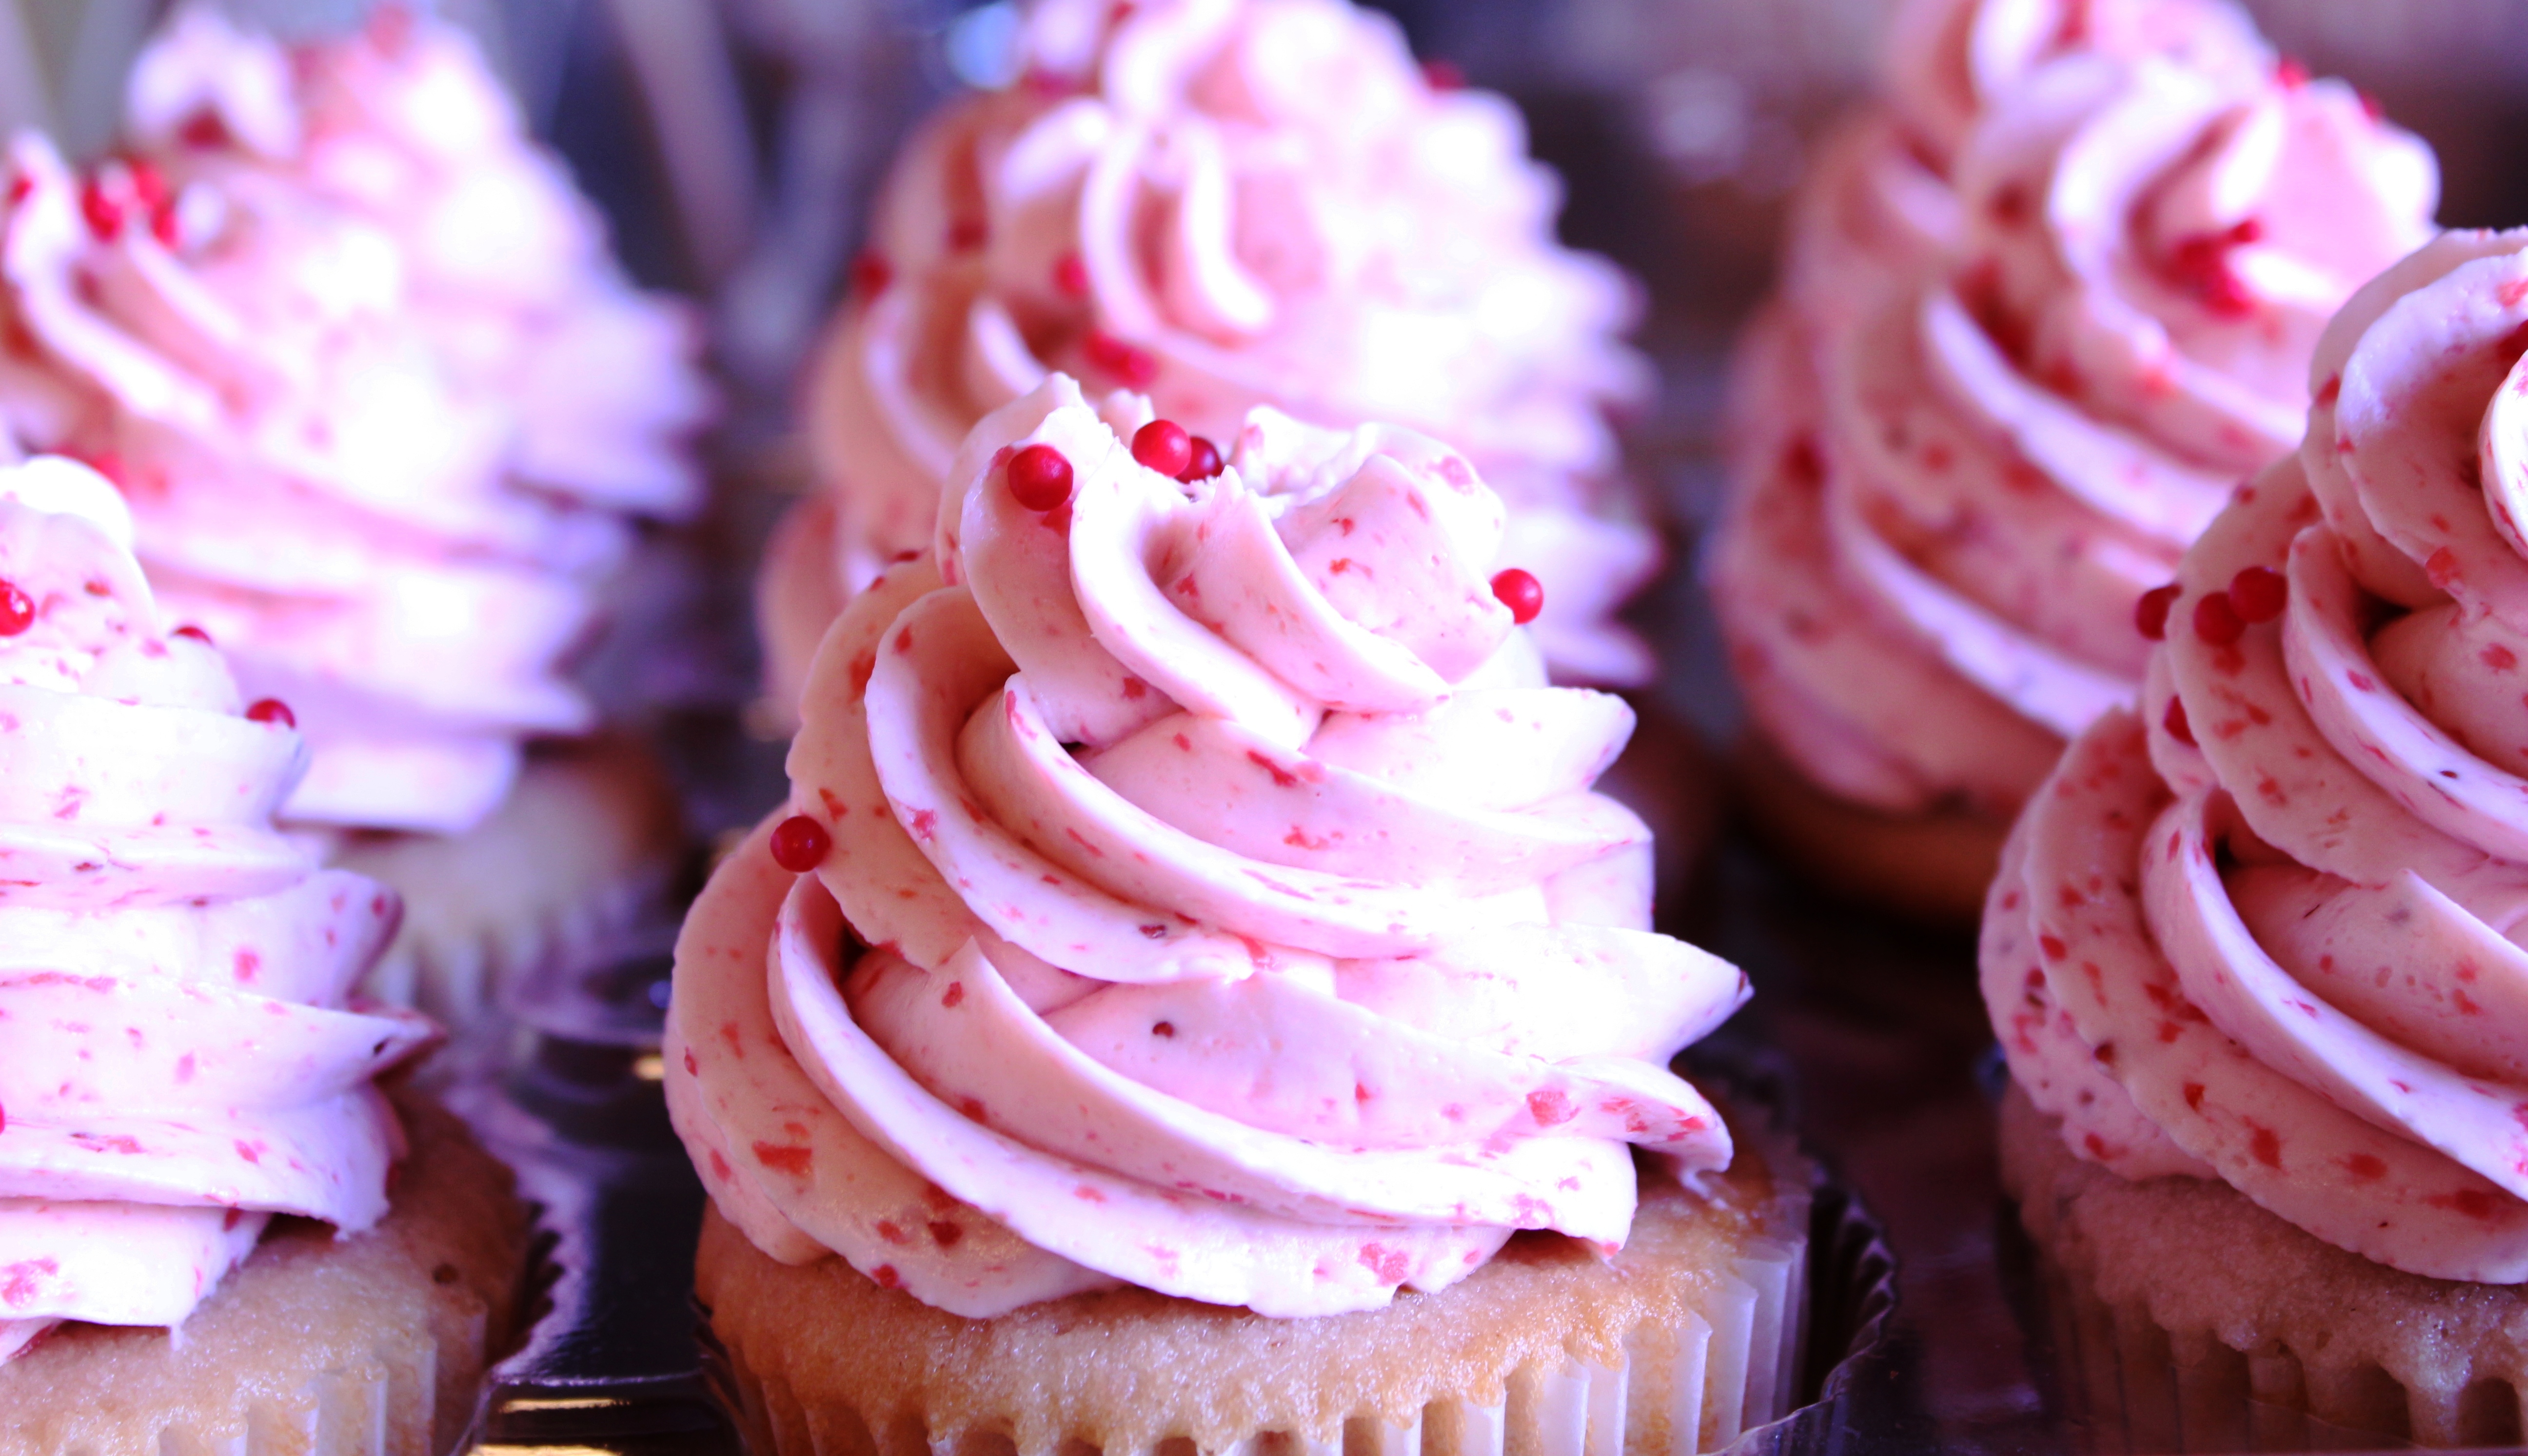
[(1963, 463), (390, 464), (1223, 203)]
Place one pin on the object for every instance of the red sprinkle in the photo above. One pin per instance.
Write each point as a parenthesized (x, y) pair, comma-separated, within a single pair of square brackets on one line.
[(272, 710), (1443, 76), (148, 183), (1164, 447), (196, 633), (2175, 722), (2258, 593), (1070, 276), (1521, 593), (871, 273), (800, 844), (2150, 613), (1130, 363), (1040, 478), (2290, 74), (16, 610), (104, 214), (2216, 621), (1203, 460)]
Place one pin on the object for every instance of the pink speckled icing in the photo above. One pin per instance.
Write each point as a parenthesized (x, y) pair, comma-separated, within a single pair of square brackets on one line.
[(2269, 930), (403, 124), (312, 479), (1216, 902), (1223, 203), (178, 1057), (1953, 485)]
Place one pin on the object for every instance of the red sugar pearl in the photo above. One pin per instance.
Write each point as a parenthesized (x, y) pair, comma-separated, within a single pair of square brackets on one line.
[(2150, 613), (1040, 478), (104, 213), (1164, 447), (2258, 593), (16, 610), (1521, 593), (2216, 621), (871, 273), (2175, 722), (800, 844), (196, 633), (272, 710), (1203, 462)]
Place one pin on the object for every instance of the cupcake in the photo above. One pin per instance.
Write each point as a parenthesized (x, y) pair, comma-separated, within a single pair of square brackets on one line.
[(1220, 204), (1964, 452), (1037, 1055), (2250, 954), (381, 470), (196, 1239)]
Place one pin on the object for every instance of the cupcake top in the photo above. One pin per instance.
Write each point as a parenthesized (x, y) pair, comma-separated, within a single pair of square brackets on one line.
[(2010, 452), (179, 1060), (1221, 203), (312, 479), (1189, 880), (401, 123), (2265, 933)]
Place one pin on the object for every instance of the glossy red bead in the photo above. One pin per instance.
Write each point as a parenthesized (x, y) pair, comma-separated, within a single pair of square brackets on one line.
[(2216, 621), (1202, 464), (800, 844), (1521, 593), (196, 633), (1040, 478), (2258, 593), (1070, 276), (104, 213), (871, 273), (16, 610), (2175, 722), (2150, 613), (1164, 447), (272, 710)]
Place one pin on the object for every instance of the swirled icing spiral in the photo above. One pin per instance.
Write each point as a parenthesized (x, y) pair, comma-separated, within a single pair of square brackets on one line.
[(1238, 920), (178, 1057), (2266, 932)]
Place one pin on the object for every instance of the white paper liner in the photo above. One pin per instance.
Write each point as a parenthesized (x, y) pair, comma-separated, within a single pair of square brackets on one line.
[(1733, 1366)]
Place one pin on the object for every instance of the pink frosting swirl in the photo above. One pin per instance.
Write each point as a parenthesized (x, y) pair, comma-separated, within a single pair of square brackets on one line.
[(178, 1057), (1240, 921), (1953, 498), (2269, 932), (401, 123), (1223, 203), (313, 482)]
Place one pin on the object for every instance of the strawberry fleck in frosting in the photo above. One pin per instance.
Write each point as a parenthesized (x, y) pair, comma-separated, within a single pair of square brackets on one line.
[(313, 480), (1189, 882), (403, 124), (179, 1060), (1953, 492), (1224, 203), (2268, 929)]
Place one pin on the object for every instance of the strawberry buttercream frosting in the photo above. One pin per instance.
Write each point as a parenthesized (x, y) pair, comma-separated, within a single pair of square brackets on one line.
[(1952, 494), (313, 481), (1221, 203), (2267, 930), (1193, 885), (403, 124), (179, 1060)]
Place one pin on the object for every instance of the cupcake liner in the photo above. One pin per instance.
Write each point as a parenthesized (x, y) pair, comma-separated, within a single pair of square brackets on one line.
[(1730, 1366), (2255, 1335)]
